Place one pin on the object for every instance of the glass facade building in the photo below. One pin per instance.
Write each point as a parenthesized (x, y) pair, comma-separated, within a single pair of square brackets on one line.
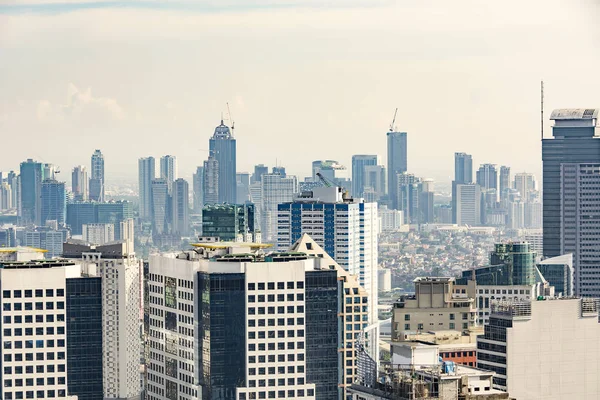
[(397, 153), (359, 162), (222, 147), (54, 202), (227, 221), (84, 338), (31, 177), (113, 212)]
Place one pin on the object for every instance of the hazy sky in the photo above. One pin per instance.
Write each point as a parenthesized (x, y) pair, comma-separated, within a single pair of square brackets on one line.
[(305, 79)]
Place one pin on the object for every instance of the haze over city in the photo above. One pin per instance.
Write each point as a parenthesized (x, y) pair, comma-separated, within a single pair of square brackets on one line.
[(304, 80)]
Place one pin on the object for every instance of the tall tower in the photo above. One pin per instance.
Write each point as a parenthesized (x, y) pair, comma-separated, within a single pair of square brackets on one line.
[(79, 183), (210, 190), (168, 169), (463, 174), (147, 173), (54, 202), (222, 146), (504, 181), (97, 178), (181, 207), (397, 162), (571, 167), (359, 162), (197, 186), (32, 175), (160, 206)]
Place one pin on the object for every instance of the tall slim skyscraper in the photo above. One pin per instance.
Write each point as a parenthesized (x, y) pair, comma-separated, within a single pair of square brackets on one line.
[(79, 183), (223, 148), (504, 181), (359, 162), (32, 175), (147, 173), (198, 187), (259, 171), (168, 169), (468, 204), (160, 206), (570, 167), (97, 178), (487, 176), (275, 190), (210, 188), (463, 174), (181, 207), (526, 184), (54, 201), (397, 159)]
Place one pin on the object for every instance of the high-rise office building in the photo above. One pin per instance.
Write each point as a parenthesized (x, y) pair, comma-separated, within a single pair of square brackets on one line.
[(397, 162), (487, 176), (345, 227), (168, 170), (45, 238), (5, 196), (230, 222), (426, 202), (98, 234), (275, 190), (504, 181), (160, 206), (468, 204), (13, 182), (526, 184), (197, 186), (279, 170), (223, 149), (211, 181), (243, 184), (79, 183), (359, 162), (31, 177), (181, 208), (559, 273), (114, 212), (374, 182), (408, 192), (259, 171), (575, 142), (463, 174), (54, 202), (97, 179), (147, 173)]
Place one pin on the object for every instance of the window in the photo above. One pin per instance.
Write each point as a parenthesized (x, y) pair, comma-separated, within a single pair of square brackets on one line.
[(406, 327), (49, 292), (407, 317), (251, 286)]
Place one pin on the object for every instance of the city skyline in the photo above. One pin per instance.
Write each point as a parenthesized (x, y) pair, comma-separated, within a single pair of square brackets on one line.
[(489, 72)]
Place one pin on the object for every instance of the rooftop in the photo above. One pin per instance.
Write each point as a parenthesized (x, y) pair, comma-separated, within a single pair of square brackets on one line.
[(574, 113)]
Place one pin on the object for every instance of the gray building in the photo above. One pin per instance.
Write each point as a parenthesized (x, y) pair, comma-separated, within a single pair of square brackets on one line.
[(30, 207), (197, 186), (97, 178), (79, 183), (504, 181), (571, 161), (160, 205), (359, 162), (181, 207), (463, 173), (397, 159), (168, 169), (468, 204), (210, 186), (223, 149), (54, 201), (147, 173)]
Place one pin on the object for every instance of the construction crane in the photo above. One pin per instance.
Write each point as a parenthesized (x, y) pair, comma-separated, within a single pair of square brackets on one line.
[(326, 182), (230, 117), (393, 121)]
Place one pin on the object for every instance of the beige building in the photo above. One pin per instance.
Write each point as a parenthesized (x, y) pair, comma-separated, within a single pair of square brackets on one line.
[(437, 305)]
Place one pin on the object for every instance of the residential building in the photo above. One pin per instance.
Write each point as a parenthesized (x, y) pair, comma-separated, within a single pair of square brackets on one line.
[(345, 227), (223, 149), (435, 306), (147, 173), (198, 187), (97, 178), (468, 204), (54, 202), (389, 220), (98, 234), (275, 190), (230, 222), (180, 208), (535, 239), (79, 183), (397, 159), (168, 170), (210, 189), (575, 141), (543, 349), (359, 162)]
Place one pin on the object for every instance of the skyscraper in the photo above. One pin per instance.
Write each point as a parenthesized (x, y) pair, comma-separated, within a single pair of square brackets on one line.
[(230, 222), (487, 176), (408, 196), (168, 169), (397, 149), (210, 189), (222, 147), (97, 178), (374, 181), (54, 201), (160, 206), (526, 184), (31, 177), (79, 183), (504, 181), (575, 142), (468, 204), (259, 171), (181, 207), (198, 185), (275, 190), (359, 162), (147, 173), (463, 173), (426, 202)]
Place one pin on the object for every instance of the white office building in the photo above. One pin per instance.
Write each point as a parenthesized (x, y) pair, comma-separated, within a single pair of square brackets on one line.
[(98, 233), (468, 204), (275, 189)]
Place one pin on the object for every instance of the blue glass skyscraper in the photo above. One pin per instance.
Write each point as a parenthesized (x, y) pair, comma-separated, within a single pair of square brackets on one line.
[(223, 149), (397, 163), (359, 162), (32, 175), (54, 202)]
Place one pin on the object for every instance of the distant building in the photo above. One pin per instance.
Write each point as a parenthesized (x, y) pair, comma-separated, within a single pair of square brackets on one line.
[(97, 178), (397, 159), (468, 204), (390, 220), (30, 207), (259, 171), (504, 181), (359, 162), (408, 192), (168, 170), (180, 208), (160, 205), (230, 222), (198, 187), (275, 190), (147, 173), (333, 171), (463, 174), (374, 181), (243, 185), (54, 202), (210, 188), (558, 271), (223, 149), (79, 183), (98, 234), (45, 238), (533, 348)]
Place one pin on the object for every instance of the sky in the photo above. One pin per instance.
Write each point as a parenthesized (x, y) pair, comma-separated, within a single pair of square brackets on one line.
[(304, 79)]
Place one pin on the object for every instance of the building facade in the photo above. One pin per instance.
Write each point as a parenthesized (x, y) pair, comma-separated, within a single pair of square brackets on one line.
[(230, 222), (180, 208), (275, 190), (468, 204), (147, 173), (79, 183), (97, 177), (359, 162), (168, 169), (397, 162), (54, 202), (222, 147)]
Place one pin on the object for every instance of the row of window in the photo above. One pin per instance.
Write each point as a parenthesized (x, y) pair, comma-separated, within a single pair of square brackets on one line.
[(60, 305), (281, 394), (39, 369), (280, 285), (6, 294), (38, 331), (38, 356), (271, 382), (271, 297), (61, 380), (39, 394), (29, 344), (271, 334), (271, 310), (280, 346)]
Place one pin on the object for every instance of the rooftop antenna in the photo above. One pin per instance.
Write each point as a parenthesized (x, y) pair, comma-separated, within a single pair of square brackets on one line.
[(542, 111)]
